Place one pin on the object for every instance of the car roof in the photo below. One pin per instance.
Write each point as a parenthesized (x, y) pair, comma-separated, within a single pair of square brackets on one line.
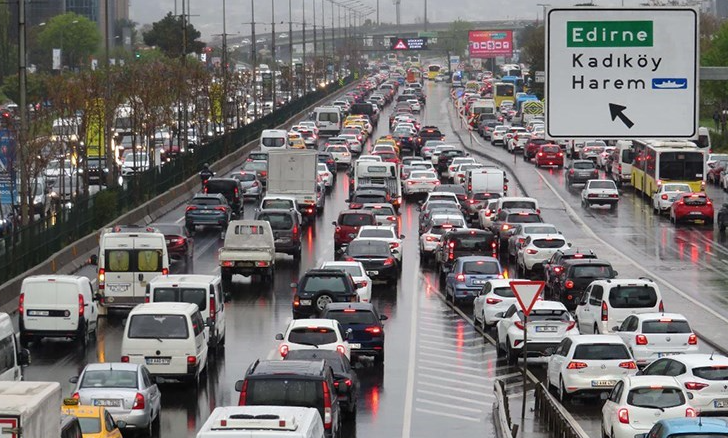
[(628, 281), (175, 279), (365, 212), (313, 322), (553, 236), (283, 368), (167, 308), (596, 339), (642, 381), (702, 425), (499, 282), (660, 315), (548, 305), (117, 366), (377, 227), (577, 262), (356, 306), (702, 359), (477, 259)]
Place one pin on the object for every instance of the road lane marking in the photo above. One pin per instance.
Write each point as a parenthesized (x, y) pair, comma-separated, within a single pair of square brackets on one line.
[(445, 379), (455, 397), (450, 346), (448, 405), (446, 371), (460, 367), (450, 356), (407, 423), (444, 414), (449, 388), (425, 347)]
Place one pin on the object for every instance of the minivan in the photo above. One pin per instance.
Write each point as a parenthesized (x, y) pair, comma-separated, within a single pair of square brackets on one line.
[(128, 260), (12, 357), (273, 140), (169, 338), (203, 290), (328, 120), (57, 306), (263, 422)]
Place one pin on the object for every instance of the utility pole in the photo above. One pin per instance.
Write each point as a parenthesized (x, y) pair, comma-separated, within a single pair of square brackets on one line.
[(290, 49), (303, 60), (19, 164), (323, 41), (333, 42), (275, 60), (315, 45), (254, 58), (108, 147), (225, 79), (341, 44), (377, 12), (425, 16), (184, 69)]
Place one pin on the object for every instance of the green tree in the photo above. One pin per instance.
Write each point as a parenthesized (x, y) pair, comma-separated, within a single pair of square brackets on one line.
[(76, 36), (455, 39), (167, 34), (8, 58), (532, 42)]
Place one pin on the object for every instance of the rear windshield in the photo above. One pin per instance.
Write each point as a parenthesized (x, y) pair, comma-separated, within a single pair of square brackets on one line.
[(252, 165), (273, 204), (158, 326), (666, 325), (206, 201), (381, 211), (378, 249), (601, 352), (331, 283), (528, 218), (592, 271), (368, 199), (213, 186), (181, 295), (482, 196), (584, 165), (519, 204), (278, 221), (441, 197), (246, 177), (285, 392), (716, 372), (547, 315), (632, 296), (551, 149), (602, 185), (695, 200), (387, 234), (505, 292), (540, 229), (347, 317), (356, 220), (656, 398), (481, 268), (548, 243), (312, 335), (133, 260), (109, 379), (474, 242), (273, 142)]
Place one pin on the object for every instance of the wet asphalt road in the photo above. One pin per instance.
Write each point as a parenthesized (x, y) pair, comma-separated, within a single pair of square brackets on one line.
[(439, 373)]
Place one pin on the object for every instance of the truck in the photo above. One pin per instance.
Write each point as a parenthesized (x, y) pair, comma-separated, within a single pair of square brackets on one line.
[(249, 250), (367, 173), (30, 409), (294, 173)]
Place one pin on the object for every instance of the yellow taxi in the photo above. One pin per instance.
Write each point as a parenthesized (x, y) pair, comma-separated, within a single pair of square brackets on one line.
[(360, 121), (95, 421), (295, 140), (389, 141)]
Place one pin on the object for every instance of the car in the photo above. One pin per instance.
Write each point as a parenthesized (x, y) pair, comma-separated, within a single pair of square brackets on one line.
[(361, 196), (429, 147), (685, 427), (346, 381), (651, 336), (127, 391), (353, 142), (600, 192), (287, 229), (498, 135), (495, 297), (319, 287), (385, 214), (426, 134), (435, 155), (328, 160), (94, 421), (415, 105), (536, 249), (533, 146), (522, 231), (692, 207), (666, 194), (554, 266), (516, 140), (714, 172), (604, 158), (347, 226), (231, 189), (452, 168), (487, 214), (252, 187), (581, 171), (549, 155), (341, 154), (591, 153), (376, 257), (575, 276), (588, 363), (458, 243), (503, 226), (326, 175), (438, 225), (468, 275), (462, 170), (548, 324), (637, 402), (361, 280), (364, 325), (259, 167), (208, 211), (180, 245), (456, 190), (313, 333), (445, 158)]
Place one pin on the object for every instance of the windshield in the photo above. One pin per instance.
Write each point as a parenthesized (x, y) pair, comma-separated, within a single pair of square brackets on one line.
[(333, 283), (272, 204), (277, 391), (158, 326), (481, 268), (181, 295), (368, 199), (480, 242), (540, 229), (312, 335), (89, 425), (677, 188), (273, 142), (548, 243), (527, 218), (205, 201), (530, 205), (681, 165), (246, 177), (592, 271), (505, 292), (715, 372), (601, 352), (351, 316), (656, 397), (356, 220), (387, 234), (109, 379), (252, 165), (626, 297)]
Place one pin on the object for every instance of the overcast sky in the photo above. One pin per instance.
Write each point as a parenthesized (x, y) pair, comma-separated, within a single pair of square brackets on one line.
[(207, 14)]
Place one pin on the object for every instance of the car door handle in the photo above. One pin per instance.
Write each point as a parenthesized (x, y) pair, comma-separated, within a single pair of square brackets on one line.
[(141, 277)]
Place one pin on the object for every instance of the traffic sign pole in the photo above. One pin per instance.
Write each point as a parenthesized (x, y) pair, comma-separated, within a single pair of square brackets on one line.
[(525, 363)]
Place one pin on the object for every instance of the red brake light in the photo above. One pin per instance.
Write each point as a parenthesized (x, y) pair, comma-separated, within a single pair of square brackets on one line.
[(81, 305), (460, 278), (389, 262), (569, 284), (690, 413), (373, 330), (125, 359), (576, 365), (605, 311), (341, 349), (190, 208), (661, 307), (623, 415), (220, 208), (283, 350), (138, 401), (327, 406), (191, 361), (243, 394), (492, 301), (695, 386), (664, 197), (102, 278), (531, 251), (692, 339), (628, 365), (21, 304), (641, 340)]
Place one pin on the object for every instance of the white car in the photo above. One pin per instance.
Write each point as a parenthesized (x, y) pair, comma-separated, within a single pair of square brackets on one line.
[(666, 194), (603, 157), (518, 141), (373, 158), (439, 225), (385, 233), (307, 334), (537, 249), (309, 124), (714, 158), (358, 274), (326, 175), (548, 323), (420, 181), (705, 376), (495, 297), (455, 163), (462, 170), (599, 191), (637, 402), (384, 214), (414, 105), (588, 363), (651, 336), (498, 135), (341, 154), (487, 214), (522, 231), (353, 142), (438, 150)]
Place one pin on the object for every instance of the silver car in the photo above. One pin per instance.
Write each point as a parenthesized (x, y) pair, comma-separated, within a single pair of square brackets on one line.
[(126, 390), (252, 187)]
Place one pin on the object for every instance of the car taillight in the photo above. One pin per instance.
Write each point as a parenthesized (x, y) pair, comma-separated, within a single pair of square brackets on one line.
[(165, 271), (125, 359), (213, 308), (492, 301), (190, 208), (661, 307), (102, 278), (243, 394), (76, 395), (571, 325), (519, 325), (21, 304), (460, 278), (138, 401), (664, 197), (263, 173), (693, 339), (531, 251), (220, 208), (690, 413), (605, 311), (571, 171), (695, 386), (373, 330), (569, 284), (283, 350), (81, 305), (576, 365), (540, 154), (623, 415), (393, 245), (641, 340), (191, 361), (327, 406), (557, 269), (389, 262), (631, 365)]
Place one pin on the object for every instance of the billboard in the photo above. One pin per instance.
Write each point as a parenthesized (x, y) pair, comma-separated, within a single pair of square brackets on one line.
[(490, 43), (95, 139), (396, 43)]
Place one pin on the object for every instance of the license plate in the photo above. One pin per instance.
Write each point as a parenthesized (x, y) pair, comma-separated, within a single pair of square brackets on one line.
[(695, 213), (372, 272), (355, 346), (117, 287), (545, 329), (722, 403), (116, 403), (283, 240), (666, 354), (167, 241), (38, 313), (158, 360), (245, 264), (305, 302), (479, 281), (603, 383), (603, 196)]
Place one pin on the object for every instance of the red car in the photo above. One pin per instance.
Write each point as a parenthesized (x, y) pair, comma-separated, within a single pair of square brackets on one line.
[(389, 157), (691, 207), (550, 155), (532, 148), (348, 224)]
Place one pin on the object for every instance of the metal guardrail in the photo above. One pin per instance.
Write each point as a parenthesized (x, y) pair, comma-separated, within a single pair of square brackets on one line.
[(559, 421), (502, 412)]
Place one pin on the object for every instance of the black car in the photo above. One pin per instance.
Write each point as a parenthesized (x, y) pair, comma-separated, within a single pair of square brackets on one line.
[(462, 243), (210, 210), (328, 159), (367, 331), (346, 382), (303, 383), (321, 287), (179, 242), (445, 158), (581, 171), (574, 278), (503, 224), (368, 196), (428, 133), (96, 171), (231, 189), (553, 266), (377, 258)]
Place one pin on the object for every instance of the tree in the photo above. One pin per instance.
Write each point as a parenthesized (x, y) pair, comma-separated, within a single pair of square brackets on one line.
[(167, 34), (8, 58), (455, 39), (716, 56), (76, 36), (532, 42)]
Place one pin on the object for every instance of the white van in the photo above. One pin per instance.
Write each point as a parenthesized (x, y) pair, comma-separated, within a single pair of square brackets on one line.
[(12, 357), (486, 180), (622, 159), (203, 290), (273, 140), (263, 422), (57, 306), (169, 338), (127, 261), (328, 119), (520, 202)]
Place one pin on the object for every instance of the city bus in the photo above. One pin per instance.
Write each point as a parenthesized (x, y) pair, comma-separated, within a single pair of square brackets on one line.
[(433, 70), (658, 162), (414, 75), (503, 91), (517, 81)]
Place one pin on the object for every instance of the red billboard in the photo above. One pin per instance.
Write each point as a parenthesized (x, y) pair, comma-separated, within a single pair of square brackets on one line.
[(490, 43)]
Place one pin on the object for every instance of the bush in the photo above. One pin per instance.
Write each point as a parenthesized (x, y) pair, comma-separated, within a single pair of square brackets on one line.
[(105, 207)]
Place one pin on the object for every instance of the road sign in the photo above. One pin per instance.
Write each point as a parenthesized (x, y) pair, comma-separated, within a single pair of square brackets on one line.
[(622, 73), (527, 293), (454, 60), (408, 43), (540, 77)]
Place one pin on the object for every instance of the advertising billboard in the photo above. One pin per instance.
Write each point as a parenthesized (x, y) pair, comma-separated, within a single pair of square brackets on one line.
[(396, 43), (490, 43)]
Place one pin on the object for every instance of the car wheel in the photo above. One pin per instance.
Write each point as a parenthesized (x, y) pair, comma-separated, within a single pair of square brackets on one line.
[(323, 300), (564, 396), (511, 356), (157, 423)]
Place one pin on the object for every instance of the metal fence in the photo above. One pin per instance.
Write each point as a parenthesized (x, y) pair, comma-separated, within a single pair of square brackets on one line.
[(558, 420), (30, 245)]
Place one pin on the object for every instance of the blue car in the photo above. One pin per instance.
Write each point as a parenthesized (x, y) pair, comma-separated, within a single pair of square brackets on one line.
[(364, 326), (704, 427), (468, 275)]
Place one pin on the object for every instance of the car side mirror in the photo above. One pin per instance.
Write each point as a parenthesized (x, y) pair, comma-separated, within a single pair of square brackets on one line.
[(500, 315), (24, 357), (549, 351), (402, 236), (334, 223), (569, 244), (73, 379), (383, 317), (98, 297), (294, 285), (208, 322), (616, 273), (615, 328), (121, 424), (279, 336), (93, 260), (239, 385)]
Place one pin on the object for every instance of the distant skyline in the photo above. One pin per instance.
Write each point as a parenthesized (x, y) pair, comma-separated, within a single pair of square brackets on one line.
[(207, 14)]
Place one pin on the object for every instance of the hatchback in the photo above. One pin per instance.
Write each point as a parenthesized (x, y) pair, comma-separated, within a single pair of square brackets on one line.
[(549, 155), (651, 336), (692, 207), (319, 334), (364, 326), (376, 257)]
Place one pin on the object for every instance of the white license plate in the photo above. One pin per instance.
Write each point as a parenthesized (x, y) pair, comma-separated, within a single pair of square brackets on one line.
[(723, 403), (545, 329), (158, 360), (603, 383), (695, 213), (603, 196), (372, 272), (355, 346), (666, 354), (305, 302), (118, 287), (116, 403), (38, 313), (479, 281)]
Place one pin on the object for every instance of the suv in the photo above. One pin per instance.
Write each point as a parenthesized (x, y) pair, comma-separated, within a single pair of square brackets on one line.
[(427, 133), (348, 224), (319, 288), (576, 275), (207, 210), (231, 189), (303, 383), (503, 224), (286, 225), (366, 337), (460, 243), (553, 266)]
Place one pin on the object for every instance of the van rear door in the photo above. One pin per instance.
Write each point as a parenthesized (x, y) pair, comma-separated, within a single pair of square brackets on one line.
[(150, 262), (43, 312)]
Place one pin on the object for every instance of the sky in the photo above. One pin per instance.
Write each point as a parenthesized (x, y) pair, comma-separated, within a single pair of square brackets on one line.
[(207, 14)]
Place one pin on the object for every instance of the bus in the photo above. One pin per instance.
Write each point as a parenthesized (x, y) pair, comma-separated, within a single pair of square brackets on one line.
[(661, 161), (503, 91), (414, 75), (432, 71), (517, 81)]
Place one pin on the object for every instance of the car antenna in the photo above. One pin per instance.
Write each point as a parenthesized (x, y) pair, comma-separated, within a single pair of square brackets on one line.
[(711, 354)]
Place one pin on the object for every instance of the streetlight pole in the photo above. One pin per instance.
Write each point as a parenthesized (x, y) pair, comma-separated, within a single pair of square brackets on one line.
[(323, 40), (315, 43), (19, 165), (303, 60), (333, 41), (290, 50), (425, 27), (273, 52), (253, 58), (224, 75)]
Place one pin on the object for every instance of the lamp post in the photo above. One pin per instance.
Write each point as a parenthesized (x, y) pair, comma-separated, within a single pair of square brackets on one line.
[(253, 58), (273, 52), (303, 60), (290, 49)]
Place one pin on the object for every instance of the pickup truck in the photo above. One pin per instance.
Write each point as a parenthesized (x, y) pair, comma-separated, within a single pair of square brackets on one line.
[(377, 173), (249, 250)]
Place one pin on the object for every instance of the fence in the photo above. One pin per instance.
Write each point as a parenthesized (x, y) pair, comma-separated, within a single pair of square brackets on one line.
[(502, 412), (30, 245), (559, 421)]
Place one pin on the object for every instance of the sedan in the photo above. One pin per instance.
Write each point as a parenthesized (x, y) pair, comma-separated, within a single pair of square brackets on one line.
[(259, 167), (495, 297), (497, 137), (326, 175), (666, 194), (385, 233), (549, 155), (421, 181), (341, 154), (692, 207), (468, 275), (126, 390), (361, 280), (600, 191)]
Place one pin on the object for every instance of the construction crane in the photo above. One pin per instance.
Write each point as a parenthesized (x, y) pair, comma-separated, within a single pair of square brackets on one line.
[(396, 6)]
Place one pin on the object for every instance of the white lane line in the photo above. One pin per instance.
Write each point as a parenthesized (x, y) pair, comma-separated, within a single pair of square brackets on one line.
[(180, 220), (450, 389), (454, 397), (447, 372), (448, 405), (408, 405), (444, 414), (445, 379), (451, 347), (455, 366), (478, 360), (450, 352)]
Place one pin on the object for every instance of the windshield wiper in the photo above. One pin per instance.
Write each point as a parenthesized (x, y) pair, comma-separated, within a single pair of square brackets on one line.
[(653, 407), (307, 343)]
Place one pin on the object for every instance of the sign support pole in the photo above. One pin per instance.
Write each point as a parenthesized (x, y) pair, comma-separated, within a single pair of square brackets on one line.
[(525, 363)]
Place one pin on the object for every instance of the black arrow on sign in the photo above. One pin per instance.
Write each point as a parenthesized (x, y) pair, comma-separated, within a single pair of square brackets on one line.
[(618, 111)]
